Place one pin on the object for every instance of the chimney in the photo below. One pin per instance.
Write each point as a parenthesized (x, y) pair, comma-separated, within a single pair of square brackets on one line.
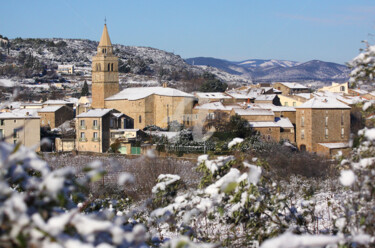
[(164, 85)]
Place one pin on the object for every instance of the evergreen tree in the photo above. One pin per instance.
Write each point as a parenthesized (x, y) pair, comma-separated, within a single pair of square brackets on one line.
[(85, 89)]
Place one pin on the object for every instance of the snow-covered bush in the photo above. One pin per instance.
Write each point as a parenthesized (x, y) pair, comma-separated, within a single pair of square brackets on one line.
[(38, 206), (363, 66)]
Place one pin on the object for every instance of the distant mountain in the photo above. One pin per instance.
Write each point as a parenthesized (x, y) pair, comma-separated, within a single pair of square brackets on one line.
[(278, 70)]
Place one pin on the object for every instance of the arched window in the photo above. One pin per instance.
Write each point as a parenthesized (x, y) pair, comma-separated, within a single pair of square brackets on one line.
[(109, 66)]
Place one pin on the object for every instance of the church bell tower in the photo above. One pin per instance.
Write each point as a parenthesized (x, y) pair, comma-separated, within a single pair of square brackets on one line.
[(105, 82)]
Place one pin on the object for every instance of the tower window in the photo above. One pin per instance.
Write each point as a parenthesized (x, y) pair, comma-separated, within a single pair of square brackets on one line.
[(326, 122), (342, 132), (109, 67), (112, 67), (302, 134), (302, 121), (326, 133)]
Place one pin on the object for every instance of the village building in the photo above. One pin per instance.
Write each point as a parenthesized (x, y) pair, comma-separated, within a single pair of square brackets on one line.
[(105, 81), (65, 69), (19, 126), (357, 92), (323, 126), (206, 97), (93, 129), (291, 88), (58, 103), (271, 99), (211, 111), (153, 106), (54, 116), (336, 88)]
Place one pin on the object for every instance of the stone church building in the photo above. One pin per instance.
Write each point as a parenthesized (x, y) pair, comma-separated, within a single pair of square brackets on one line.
[(144, 105)]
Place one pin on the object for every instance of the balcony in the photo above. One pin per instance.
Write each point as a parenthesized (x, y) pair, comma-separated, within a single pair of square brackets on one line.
[(95, 139), (82, 140), (97, 127), (83, 127)]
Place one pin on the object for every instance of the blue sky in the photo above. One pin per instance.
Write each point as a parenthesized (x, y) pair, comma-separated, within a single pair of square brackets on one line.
[(329, 30)]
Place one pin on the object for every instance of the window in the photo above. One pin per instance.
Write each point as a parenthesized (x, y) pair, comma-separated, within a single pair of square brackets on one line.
[(82, 136), (302, 134), (326, 121), (302, 121), (15, 133), (140, 119), (342, 132), (109, 67), (286, 104), (326, 133), (342, 117), (112, 67), (42, 122), (2, 122), (95, 123), (82, 123), (294, 104), (15, 121), (188, 120), (342, 88), (95, 135), (1, 133)]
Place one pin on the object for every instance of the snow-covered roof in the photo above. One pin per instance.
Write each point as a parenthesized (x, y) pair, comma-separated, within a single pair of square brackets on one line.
[(275, 108), (262, 124), (294, 85), (19, 114), (335, 145), (57, 102), (283, 122), (49, 109), (169, 135), (212, 95), (269, 97), (253, 111), (304, 95), (359, 91), (239, 95), (95, 113), (31, 104), (137, 93), (324, 103), (125, 130), (216, 106), (118, 115)]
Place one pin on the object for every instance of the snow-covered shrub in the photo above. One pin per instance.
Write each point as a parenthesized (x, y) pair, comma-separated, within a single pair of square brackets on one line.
[(363, 66), (38, 206), (165, 189)]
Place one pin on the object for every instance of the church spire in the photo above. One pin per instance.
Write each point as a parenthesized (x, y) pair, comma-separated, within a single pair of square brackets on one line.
[(105, 41)]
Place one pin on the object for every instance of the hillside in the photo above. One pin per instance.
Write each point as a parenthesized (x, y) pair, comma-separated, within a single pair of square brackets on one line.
[(136, 63), (278, 70)]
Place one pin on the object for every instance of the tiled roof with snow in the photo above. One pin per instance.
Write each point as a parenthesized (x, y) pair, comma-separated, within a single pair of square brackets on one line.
[(62, 102), (95, 113), (142, 92), (304, 95), (240, 95), (253, 111), (216, 106), (294, 85), (216, 95), (265, 97), (275, 108), (262, 124), (19, 114), (359, 91), (335, 145), (31, 104), (283, 122), (49, 109), (324, 103)]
